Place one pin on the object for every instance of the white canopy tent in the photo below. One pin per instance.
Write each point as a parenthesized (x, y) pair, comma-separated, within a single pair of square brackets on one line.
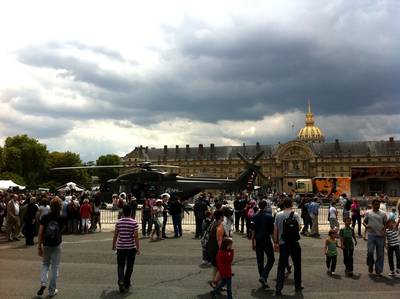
[(7, 184), (71, 186)]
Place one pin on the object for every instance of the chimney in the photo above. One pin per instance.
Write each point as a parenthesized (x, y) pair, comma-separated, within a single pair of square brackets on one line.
[(177, 149), (258, 147), (200, 148), (165, 149), (391, 139), (212, 147), (187, 148), (146, 150)]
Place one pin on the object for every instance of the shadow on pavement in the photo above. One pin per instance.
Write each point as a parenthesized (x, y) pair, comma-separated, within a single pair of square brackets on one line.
[(113, 294), (383, 279), (261, 293)]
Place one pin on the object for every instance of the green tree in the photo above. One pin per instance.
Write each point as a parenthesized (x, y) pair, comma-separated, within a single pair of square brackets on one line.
[(110, 173), (12, 176), (26, 157), (66, 159)]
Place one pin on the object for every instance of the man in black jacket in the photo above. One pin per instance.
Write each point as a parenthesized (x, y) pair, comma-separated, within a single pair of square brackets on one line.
[(200, 208)]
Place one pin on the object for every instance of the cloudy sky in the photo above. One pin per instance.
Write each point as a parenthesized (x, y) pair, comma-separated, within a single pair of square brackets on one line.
[(98, 77)]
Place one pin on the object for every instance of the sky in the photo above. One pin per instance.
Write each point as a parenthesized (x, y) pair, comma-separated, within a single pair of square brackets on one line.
[(100, 77)]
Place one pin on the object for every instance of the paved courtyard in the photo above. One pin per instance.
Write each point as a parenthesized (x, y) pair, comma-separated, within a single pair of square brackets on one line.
[(170, 269)]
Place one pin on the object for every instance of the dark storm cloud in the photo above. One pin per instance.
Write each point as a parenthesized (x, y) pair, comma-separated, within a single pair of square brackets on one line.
[(345, 59)]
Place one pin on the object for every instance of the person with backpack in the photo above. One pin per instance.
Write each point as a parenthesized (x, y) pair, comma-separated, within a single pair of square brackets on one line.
[(286, 237), (49, 246)]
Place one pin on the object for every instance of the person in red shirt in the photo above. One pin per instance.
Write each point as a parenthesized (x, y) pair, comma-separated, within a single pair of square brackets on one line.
[(86, 211), (224, 266)]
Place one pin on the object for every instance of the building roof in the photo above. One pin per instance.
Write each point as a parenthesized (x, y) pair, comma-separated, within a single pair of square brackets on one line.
[(337, 148)]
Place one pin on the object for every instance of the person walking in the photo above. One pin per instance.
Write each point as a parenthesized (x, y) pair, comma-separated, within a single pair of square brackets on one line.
[(200, 207), (239, 206), (224, 264), (374, 222), (356, 216), (393, 247), (12, 218), (313, 210), (126, 242), (305, 215), (30, 222), (175, 210), (330, 250), (217, 234), (263, 229), (147, 219), (165, 198), (49, 246), (346, 242), (333, 217), (286, 237)]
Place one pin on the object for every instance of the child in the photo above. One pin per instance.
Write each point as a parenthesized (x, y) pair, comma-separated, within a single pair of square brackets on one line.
[(204, 239), (331, 251), (224, 266), (346, 242), (392, 243)]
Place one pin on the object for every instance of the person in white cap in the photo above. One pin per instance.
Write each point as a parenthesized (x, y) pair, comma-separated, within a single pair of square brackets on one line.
[(157, 219)]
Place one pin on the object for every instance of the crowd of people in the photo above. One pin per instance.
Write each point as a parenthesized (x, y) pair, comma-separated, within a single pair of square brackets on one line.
[(271, 225), (23, 212)]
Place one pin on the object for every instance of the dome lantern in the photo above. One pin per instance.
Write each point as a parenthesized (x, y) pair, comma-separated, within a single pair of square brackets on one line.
[(310, 133)]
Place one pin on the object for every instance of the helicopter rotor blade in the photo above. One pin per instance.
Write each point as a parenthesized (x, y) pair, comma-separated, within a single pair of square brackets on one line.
[(258, 156), (164, 166), (90, 167), (243, 158)]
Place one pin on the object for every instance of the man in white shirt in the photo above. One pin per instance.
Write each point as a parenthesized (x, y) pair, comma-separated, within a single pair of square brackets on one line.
[(333, 215)]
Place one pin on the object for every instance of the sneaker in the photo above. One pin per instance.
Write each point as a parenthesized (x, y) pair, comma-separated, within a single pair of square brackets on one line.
[(52, 294), (41, 291), (392, 273), (301, 288), (121, 288), (332, 273), (262, 281), (204, 262)]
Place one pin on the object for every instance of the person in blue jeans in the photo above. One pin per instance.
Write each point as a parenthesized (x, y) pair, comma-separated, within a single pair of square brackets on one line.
[(175, 210), (49, 246), (375, 222)]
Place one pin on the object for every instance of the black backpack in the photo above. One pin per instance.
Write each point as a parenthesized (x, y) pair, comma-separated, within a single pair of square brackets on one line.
[(291, 229), (52, 234)]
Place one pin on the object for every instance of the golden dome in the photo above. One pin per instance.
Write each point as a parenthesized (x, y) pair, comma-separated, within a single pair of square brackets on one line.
[(310, 133)]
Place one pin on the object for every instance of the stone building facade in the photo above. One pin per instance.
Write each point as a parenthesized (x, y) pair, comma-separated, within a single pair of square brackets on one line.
[(307, 156)]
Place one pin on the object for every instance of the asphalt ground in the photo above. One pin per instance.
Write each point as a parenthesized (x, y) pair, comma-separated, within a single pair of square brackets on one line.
[(171, 269)]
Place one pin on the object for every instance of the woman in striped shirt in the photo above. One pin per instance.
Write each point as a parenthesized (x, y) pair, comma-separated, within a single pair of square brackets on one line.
[(393, 246), (126, 241)]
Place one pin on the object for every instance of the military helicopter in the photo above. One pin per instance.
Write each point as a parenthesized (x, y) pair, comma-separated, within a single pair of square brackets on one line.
[(151, 182)]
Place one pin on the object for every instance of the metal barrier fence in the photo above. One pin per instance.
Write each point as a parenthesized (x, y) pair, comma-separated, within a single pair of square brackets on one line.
[(110, 216)]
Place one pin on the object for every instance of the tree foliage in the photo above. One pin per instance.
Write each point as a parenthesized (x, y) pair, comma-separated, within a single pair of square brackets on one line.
[(106, 174), (66, 159), (14, 177), (25, 157)]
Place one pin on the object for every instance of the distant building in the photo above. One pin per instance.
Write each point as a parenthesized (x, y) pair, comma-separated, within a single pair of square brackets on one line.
[(376, 164)]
